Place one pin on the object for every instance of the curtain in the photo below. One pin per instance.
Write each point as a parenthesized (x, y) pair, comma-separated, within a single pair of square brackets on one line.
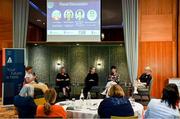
[(130, 26), (20, 23)]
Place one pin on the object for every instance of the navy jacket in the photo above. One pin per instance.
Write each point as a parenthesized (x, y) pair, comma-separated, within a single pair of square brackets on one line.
[(25, 106), (115, 106)]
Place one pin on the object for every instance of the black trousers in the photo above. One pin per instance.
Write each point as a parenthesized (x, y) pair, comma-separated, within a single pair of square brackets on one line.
[(86, 90)]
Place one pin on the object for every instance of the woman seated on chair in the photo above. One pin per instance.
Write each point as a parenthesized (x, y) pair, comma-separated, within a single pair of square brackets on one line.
[(24, 102), (63, 82), (91, 80), (116, 105), (166, 108), (50, 110), (146, 76), (29, 76), (113, 76), (31, 79)]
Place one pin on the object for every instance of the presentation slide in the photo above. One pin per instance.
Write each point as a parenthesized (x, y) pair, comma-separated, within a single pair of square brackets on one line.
[(73, 20)]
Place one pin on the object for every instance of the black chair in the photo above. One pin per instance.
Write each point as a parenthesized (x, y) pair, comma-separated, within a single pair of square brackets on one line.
[(38, 93), (96, 90), (146, 91)]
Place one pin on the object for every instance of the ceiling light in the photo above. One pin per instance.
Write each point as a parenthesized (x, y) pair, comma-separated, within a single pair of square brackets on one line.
[(38, 20)]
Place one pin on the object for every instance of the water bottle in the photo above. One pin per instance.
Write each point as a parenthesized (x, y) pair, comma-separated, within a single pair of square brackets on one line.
[(89, 96), (88, 102), (81, 95)]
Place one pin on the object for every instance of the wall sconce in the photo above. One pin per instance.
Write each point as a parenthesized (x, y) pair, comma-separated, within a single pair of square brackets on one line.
[(102, 36), (99, 64), (59, 64)]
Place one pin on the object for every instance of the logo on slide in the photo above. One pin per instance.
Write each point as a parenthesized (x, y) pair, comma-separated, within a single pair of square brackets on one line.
[(9, 60), (79, 15), (68, 15), (56, 15), (92, 15)]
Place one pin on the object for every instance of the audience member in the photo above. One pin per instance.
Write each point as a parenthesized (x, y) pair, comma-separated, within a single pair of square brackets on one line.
[(24, 102), (91, 80), (49, 109), (116, 105), (166, 108)]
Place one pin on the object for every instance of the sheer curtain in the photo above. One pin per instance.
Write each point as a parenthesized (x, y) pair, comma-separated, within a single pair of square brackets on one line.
[(20, 23), (130, 25)]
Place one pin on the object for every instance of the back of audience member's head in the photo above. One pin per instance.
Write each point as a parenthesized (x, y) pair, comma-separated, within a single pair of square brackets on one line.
[(50, 97), (170, 95), (116, 91), (27, 90)]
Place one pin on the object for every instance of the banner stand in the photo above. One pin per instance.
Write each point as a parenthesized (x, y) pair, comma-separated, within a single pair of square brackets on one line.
[(13, 74)]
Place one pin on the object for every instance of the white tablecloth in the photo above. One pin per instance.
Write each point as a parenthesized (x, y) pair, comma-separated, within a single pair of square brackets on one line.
[(91, 110)]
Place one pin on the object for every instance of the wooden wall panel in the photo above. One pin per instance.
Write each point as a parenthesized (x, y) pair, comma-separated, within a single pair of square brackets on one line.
[(155, 28), (178, 52), (157, 41), (5, 30), (6, 23)]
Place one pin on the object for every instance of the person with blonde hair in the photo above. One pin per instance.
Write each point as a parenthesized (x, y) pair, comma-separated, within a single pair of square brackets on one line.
[(116, 105), (91, 80), (63, 82), (49, 109), (146, 77)]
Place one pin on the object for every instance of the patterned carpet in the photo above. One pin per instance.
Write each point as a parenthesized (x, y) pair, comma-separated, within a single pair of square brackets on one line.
[(8, 112)]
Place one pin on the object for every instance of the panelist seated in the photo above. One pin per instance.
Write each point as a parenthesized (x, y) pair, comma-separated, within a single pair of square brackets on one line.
[(146, 76), (114, 76), (90, 80), (63, 82), (29, 76), (31, 79)]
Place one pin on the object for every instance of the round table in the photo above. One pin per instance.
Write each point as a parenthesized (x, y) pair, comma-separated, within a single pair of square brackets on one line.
[(88, 108)]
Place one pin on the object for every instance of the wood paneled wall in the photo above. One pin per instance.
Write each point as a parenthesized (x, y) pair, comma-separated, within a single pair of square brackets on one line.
[(179, 42), (157, 41), (6, 23), (6, 26)]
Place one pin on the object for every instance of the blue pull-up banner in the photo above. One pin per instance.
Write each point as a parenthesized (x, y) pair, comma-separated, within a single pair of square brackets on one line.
[(13, 73)]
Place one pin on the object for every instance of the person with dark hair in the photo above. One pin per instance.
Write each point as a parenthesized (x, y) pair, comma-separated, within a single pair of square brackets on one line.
[(49, 109), (29, 76), (116, 105), (24, 102), (90, 80), (63, 82), (114, 76), (166, 108)]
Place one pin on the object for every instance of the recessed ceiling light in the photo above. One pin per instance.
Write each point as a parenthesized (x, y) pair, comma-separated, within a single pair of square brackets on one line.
[(38, 20)]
